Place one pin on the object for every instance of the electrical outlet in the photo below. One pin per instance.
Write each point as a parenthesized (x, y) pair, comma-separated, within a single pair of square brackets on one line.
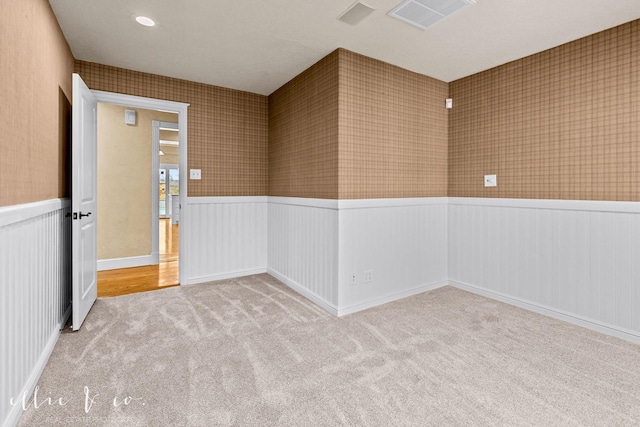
[(368, 276), (195, 173), (490, 181), (354, 278)]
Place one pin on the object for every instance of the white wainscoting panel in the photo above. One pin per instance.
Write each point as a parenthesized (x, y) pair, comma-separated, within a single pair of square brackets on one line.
[(303, 247), (35, 295), (401, 242), (227, 237), (577, 260)]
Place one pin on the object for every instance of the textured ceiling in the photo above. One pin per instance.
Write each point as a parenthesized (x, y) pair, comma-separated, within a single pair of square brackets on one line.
[(259, 45)]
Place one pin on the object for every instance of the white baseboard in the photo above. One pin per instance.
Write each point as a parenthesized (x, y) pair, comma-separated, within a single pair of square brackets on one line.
[(128, 262), (32, 382), (343, 311), (223, 276), (316, 299), (594, 325)]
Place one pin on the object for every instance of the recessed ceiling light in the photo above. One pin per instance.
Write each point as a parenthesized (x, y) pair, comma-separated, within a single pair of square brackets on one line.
[(143, 20)]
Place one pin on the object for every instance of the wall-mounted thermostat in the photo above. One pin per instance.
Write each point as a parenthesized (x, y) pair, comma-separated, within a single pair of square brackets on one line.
[(130, 117)]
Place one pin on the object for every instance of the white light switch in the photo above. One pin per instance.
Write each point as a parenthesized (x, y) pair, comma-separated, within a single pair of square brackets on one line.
[(490, 181), (195, 173)]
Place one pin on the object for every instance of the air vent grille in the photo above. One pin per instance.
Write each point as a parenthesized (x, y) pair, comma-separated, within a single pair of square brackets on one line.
[(425, 13)]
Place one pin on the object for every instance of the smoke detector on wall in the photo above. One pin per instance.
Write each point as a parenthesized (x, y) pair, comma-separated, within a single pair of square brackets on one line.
[(425, 13)]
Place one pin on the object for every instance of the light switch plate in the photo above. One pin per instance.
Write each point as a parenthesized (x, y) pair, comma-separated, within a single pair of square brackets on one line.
[(195, 174), (490, 181)]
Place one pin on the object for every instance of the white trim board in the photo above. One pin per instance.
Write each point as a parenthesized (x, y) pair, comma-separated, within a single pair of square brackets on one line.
[(226, 199), (16, 213), (555, 204), (311, 296), (390, 203), (354, 308), (223, 276), (128, 262), (340, 204), (302, 201), (594, 325), (16, 412)]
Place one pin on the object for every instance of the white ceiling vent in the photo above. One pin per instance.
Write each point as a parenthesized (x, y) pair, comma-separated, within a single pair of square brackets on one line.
[(356, 13), (425, 13)]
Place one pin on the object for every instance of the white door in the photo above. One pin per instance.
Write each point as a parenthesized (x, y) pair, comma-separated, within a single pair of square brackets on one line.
[(83, 200)]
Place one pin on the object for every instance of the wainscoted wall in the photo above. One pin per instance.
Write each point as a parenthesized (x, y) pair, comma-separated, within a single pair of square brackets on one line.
[(402, 242), (315, 245), (227, 237), (303, 247), (35, 295), (576, 260)]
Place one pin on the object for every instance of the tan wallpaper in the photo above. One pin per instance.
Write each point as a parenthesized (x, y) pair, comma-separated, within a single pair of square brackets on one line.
[(35, 93), (393, 131), (227, 129), (124, 181), (303, 134), (561, 124), (352, 127)]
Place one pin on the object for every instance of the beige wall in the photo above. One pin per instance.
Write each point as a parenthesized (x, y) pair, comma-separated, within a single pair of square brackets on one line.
[(561, 124), (227, 129), (124, 181), (35, 93)]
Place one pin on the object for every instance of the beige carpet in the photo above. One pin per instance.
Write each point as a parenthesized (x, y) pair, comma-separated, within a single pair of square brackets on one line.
[(250, 351)]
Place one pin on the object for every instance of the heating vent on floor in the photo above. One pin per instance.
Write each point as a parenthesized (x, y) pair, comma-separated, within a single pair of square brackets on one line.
[(425, 13)]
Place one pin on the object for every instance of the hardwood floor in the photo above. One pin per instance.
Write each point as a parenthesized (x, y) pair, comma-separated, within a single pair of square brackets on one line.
[(140, 279)]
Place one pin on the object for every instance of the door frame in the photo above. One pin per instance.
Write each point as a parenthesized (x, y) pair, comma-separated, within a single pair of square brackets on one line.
[(166, 167), (156, 125), (172, 107)]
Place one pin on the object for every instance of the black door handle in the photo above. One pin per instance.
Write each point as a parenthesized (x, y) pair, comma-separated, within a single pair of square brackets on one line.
[(85, 214)]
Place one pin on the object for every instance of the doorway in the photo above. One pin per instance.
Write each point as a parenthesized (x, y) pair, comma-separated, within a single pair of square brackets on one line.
[(168, 190), (162, 254)]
